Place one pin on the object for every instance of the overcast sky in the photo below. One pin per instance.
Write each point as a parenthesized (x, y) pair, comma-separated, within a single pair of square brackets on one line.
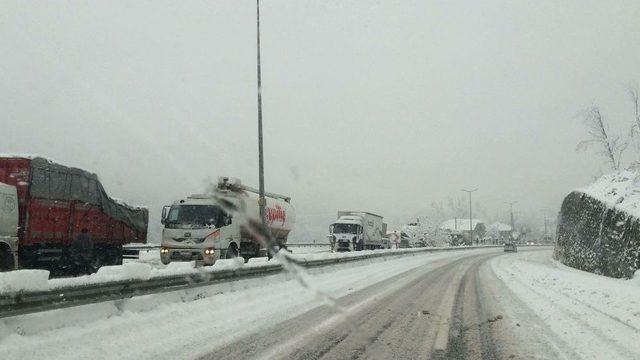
[(382, 106)]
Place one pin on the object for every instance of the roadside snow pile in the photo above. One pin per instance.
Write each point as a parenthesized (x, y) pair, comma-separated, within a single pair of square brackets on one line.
[(228, 264), (133, 271), (127, 271), (599, 226), (24, 280), (587, 316)]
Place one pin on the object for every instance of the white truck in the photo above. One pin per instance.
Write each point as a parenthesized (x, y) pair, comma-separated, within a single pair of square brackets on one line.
[(8, 227), (357, 230), (200, 228)]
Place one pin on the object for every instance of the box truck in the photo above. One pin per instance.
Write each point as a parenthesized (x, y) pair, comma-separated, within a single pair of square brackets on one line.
[(357, 230)]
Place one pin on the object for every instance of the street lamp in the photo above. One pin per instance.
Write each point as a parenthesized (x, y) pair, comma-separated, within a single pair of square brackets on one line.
[(510, 203), (261, 200), (470, 213)]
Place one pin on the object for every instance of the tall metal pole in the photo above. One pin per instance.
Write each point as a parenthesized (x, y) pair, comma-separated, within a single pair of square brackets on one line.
[(470, 213), (510, 203), (261, 200)]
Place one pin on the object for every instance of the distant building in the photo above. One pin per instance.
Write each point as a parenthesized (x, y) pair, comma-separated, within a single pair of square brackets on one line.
[(500, 233), (459, 231)]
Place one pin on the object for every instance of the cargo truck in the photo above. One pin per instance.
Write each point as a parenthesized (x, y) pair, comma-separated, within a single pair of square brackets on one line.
[(43, 208), (358, 230), (201, 228)]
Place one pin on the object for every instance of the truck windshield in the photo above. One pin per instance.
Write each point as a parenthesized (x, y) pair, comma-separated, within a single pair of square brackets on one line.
[(345, 228), (195, 215)]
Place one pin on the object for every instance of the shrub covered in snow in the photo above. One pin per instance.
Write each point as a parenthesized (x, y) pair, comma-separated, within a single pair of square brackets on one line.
[(599, 226)]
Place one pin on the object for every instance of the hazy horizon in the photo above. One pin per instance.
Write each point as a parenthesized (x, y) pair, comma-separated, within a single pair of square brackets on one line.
[(376, 106)]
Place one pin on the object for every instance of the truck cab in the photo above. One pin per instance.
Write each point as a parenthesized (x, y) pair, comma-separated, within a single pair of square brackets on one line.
[(8, 227), (346, 233), (197, 228)]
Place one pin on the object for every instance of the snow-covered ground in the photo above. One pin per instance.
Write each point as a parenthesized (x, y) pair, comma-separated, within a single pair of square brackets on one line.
[(619, 190), (582, 315), (187, 323), (297, 249)]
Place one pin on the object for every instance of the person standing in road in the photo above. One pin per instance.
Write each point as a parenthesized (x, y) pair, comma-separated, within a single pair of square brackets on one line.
[(82, 249)]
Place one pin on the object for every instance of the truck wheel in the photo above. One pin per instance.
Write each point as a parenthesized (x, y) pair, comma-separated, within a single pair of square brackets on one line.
[(232, 252), (6, 259)]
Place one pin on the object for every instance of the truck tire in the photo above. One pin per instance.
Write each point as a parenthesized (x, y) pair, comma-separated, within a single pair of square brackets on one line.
[(232, 252), (7, 262)]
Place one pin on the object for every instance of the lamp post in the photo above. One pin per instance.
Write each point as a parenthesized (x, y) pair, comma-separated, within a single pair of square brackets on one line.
[(510, 203), (261, 200), (470, 213)]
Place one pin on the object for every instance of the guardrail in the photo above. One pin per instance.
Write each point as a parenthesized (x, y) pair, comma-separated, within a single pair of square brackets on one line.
[(309, 245), (24, 302), (133, 251)]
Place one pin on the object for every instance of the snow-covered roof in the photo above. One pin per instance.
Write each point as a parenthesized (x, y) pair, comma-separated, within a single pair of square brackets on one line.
[(620, 190), (498, 227), (459, 224), (19, 155)]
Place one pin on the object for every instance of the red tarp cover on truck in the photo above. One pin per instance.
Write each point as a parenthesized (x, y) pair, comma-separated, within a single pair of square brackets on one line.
[(53, 181)]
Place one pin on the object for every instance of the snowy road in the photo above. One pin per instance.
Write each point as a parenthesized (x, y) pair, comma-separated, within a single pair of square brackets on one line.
[(486, 306), (409, 316), (475, 304)]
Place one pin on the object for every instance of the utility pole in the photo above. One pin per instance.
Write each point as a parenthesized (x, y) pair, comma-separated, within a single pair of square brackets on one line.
[(261, 200), (510, 203), (470, 213), (546, 226)]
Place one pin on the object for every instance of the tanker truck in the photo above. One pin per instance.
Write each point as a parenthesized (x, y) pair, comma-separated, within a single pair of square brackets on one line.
[(357, 230), (204, 229)]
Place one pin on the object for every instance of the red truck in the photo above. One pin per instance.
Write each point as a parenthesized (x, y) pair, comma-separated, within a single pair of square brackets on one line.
[(43, 208)]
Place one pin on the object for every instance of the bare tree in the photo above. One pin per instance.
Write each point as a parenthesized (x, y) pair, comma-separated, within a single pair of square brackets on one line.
[(635, 100), (610, 147)]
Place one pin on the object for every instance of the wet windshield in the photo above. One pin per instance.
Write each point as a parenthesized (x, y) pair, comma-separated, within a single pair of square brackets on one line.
[(196, 215), (320, 179), (345, 228)]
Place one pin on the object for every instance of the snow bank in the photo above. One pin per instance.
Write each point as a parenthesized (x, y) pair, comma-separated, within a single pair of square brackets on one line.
[(586, 316), (24, 280), (620, 190), (229, 264), (258, 260), (129, 271)]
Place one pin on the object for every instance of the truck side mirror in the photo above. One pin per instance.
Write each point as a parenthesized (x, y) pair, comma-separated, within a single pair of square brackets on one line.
[(165, 212)]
